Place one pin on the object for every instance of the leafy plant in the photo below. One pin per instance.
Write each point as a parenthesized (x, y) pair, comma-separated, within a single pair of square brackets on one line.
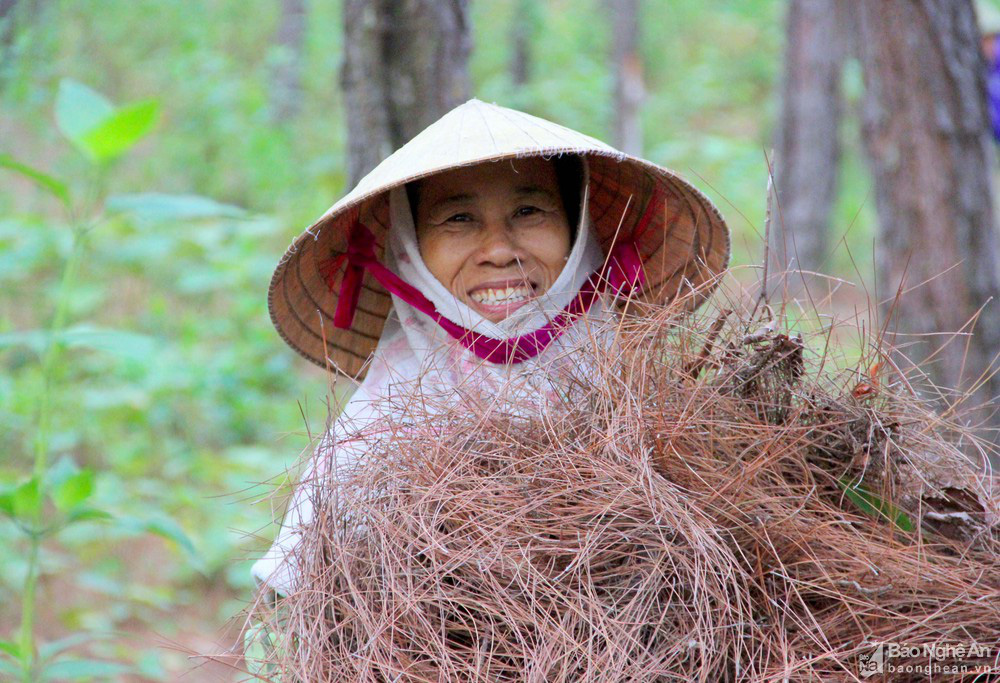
[(58, 495)]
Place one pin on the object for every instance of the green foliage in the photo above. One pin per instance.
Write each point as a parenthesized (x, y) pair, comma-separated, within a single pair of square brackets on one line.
[(77, 385), (91, 123), (154, 207), (97, 128), (873, 505), (44, 181)]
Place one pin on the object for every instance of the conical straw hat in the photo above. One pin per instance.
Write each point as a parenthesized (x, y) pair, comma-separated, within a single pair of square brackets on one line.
[(683, 248)]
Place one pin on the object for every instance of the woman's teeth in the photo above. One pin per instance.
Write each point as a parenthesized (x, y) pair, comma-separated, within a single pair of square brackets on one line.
[(495, 297)]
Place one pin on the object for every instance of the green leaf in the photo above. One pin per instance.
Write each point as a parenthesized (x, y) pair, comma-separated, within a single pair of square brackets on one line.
[(55, 187), (36, 340), (51, 649), (10, 647), (874, 506), (162, 208), (74, 491), (88, 514), (27, 499), (165, 528), (120, 131), (258, 649), (79, 110), (82, 669), (7, 501), (122, 343)]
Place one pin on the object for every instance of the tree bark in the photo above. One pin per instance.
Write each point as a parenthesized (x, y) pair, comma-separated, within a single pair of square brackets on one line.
[(7, 19), (629, 88), (927, 132), (522, 28), (405, 65), (8, 29), (286, 82), (807, 141), (21, 36)]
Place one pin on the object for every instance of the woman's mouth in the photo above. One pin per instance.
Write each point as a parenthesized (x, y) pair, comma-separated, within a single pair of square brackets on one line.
[(501, 300)]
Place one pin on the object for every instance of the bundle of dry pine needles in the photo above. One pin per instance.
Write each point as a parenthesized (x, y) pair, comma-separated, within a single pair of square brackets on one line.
[(714, 499)]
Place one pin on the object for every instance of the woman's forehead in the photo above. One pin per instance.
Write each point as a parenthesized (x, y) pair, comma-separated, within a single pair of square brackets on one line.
[(520, 176)]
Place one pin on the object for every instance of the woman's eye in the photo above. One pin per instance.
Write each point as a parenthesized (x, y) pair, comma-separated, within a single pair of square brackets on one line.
[(459, 218), (527, 210)]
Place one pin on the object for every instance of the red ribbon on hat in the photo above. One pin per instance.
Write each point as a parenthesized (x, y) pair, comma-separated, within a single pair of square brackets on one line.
[(623, 274), (360, 255)]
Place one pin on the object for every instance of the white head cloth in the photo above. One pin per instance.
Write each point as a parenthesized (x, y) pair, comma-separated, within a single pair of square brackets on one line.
[(416, 358)]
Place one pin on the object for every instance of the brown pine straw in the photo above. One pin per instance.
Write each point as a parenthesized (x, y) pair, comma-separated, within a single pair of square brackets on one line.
[(678, 514)]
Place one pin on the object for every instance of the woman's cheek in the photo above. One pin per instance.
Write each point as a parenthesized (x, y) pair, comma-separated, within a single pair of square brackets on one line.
[(443, 254), (550, 246), (431, 252)]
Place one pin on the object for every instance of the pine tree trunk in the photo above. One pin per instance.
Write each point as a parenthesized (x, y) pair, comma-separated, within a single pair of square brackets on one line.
[(629, 88), (7, 21), (8, 31), (807, 144), (405, 65), (522, 26), (364, 79), (927, 132), (286, 82), (25, 35)]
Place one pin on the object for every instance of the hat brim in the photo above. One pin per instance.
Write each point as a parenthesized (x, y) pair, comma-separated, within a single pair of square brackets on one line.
[(683, 249)]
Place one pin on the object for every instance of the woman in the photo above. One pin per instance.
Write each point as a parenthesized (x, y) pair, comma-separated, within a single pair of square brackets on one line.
[(468, 259)]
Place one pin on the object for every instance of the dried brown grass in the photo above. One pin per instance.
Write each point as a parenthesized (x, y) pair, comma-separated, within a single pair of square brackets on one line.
[(679, 515)]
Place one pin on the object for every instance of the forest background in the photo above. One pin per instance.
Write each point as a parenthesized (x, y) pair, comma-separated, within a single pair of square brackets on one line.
[(156, 158)]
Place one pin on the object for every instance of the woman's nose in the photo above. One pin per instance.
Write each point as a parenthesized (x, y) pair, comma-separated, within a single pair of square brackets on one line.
[(499, 246)]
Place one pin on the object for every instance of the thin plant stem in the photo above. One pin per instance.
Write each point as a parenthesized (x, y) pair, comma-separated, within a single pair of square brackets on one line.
[(27, 639), (53, 353)]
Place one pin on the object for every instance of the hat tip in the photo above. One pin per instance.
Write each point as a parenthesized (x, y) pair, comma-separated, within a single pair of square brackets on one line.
[(476, 102)]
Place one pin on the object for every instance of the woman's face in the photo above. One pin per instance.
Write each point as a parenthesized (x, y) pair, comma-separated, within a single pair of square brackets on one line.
[(495, 234)]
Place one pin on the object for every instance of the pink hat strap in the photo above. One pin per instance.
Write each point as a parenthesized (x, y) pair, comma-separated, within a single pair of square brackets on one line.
[(623, 274)]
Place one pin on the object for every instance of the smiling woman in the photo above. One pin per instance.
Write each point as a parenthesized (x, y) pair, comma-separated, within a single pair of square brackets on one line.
[(495, 234), (464, 264)]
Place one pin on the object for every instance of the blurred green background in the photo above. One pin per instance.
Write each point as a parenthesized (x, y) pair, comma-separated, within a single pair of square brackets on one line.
[(166, 409)]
